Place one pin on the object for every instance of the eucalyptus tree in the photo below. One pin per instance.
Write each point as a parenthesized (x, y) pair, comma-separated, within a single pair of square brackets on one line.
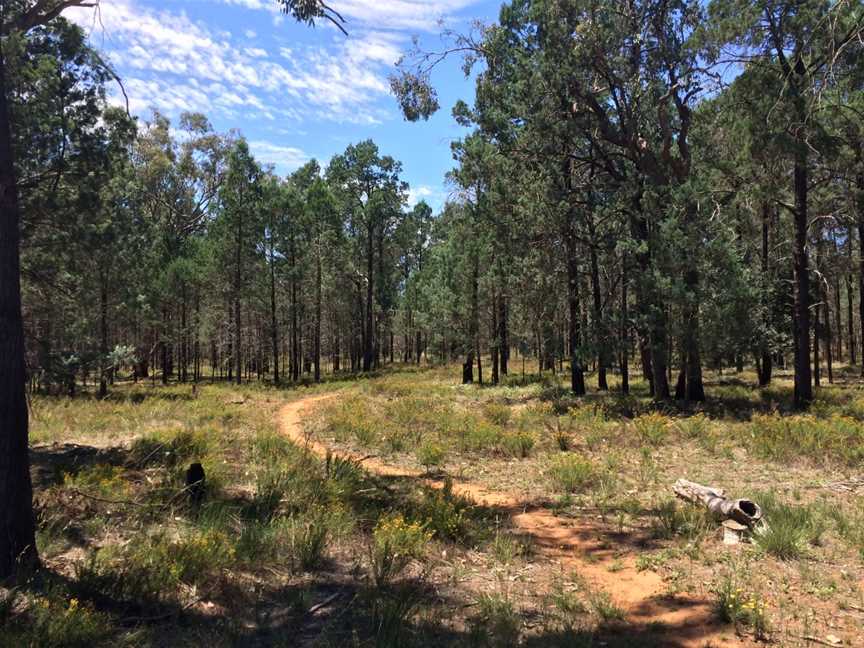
[(324, 228), (17, 532), (238, 225), (370, 195), (797, 45)]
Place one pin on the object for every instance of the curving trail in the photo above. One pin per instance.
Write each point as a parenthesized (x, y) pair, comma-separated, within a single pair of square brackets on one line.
[(580, 546)]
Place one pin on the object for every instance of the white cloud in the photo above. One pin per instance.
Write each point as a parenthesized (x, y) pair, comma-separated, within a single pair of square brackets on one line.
[(432, 196), (417, 15), (284, 158), (181, 64)]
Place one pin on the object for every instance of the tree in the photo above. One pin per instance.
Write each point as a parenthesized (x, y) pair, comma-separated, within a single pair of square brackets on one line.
[(17, 532)]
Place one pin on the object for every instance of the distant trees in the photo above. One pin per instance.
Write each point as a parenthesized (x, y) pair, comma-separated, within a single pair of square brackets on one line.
[(661, 182)]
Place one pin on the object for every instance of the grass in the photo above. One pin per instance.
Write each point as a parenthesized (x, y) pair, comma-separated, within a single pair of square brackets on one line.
[(281, 532), (571, 473)]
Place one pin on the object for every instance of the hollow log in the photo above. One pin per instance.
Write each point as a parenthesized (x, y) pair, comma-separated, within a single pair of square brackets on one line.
[(715, 500)]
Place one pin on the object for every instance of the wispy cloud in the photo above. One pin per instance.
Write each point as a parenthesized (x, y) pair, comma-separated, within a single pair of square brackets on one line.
[(180, 64), (416, 15), (283, 158)]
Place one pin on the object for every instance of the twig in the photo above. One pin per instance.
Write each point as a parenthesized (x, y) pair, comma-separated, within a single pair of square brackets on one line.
[(167, 615), (75, 491), (327, 601), (817, 640)]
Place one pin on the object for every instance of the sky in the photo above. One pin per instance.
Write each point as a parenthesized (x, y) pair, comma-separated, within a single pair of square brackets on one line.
[(294, 92)]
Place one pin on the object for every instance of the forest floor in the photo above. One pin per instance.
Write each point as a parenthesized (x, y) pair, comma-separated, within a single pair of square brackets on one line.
[(407, 509)]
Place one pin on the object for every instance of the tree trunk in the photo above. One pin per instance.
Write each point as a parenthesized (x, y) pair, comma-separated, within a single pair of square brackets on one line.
[(369, 346), (850, 307), (317, 344), (274, 323), (17, 530), (625, 326), (496, 341), (577, 373), (238, 368), (504, 334), (103, 333), (599, 326), (803, 387), (765, 363)]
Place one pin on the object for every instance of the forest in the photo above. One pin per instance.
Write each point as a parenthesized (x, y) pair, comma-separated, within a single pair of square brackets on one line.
[(459, 426)]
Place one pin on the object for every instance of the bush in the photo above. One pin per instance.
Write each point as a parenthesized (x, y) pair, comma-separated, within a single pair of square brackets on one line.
[(445, 513), (52, 620), (310, 535), (790, 529), (496, 413), (497, 622), (689, 521), (652, 428), (395, 543), (518, 444), (571, 473), (693, 427), (839, 438), (430, 455), (735, 605)]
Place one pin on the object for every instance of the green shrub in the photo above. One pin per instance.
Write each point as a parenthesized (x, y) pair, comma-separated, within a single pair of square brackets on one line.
[(55, 621), (693, 427), (652, 428), (518, 444), (571, 473), (310, 536), (430, 455), (789, 530), (391, 612), (689, 521), (497, 623), (395, 543), (479, 434), (496, 413), (784, 438), (445, 513), (737, 606)]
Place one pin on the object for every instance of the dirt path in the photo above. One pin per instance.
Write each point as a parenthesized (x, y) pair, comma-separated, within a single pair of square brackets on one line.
[(684, 621)]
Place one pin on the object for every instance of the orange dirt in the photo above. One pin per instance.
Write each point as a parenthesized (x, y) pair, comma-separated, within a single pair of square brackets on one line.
[(579, 546)]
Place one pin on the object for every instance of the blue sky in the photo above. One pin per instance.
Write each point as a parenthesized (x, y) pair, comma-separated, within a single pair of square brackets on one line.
[(295, 93)]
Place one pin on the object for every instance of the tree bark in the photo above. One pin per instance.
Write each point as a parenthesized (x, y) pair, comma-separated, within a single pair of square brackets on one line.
[(18, 555), (599, 325), (103, 333), (803, 386), (765, 364), (368, 342), (577, 373)]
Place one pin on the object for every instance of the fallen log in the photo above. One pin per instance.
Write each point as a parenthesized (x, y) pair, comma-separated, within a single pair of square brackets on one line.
[(742, 511)]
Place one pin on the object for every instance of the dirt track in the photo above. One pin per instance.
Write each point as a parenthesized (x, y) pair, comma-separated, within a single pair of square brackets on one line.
[(688, 621)]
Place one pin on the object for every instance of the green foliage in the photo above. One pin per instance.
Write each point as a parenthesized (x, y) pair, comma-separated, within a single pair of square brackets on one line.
[(395, 543), (431, 455), (790, 529), (737, 606), (572, 474)]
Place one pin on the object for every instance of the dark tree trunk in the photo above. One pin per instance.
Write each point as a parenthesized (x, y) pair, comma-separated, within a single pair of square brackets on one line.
[(317, 343), (496, 341), (238, 278), (368, 342), (850, 307), (577, 373), (17, 530), (599, 325), (803, 386), (765, 363), (274, 324), (503, 334), (625, 327), (103, 334)]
